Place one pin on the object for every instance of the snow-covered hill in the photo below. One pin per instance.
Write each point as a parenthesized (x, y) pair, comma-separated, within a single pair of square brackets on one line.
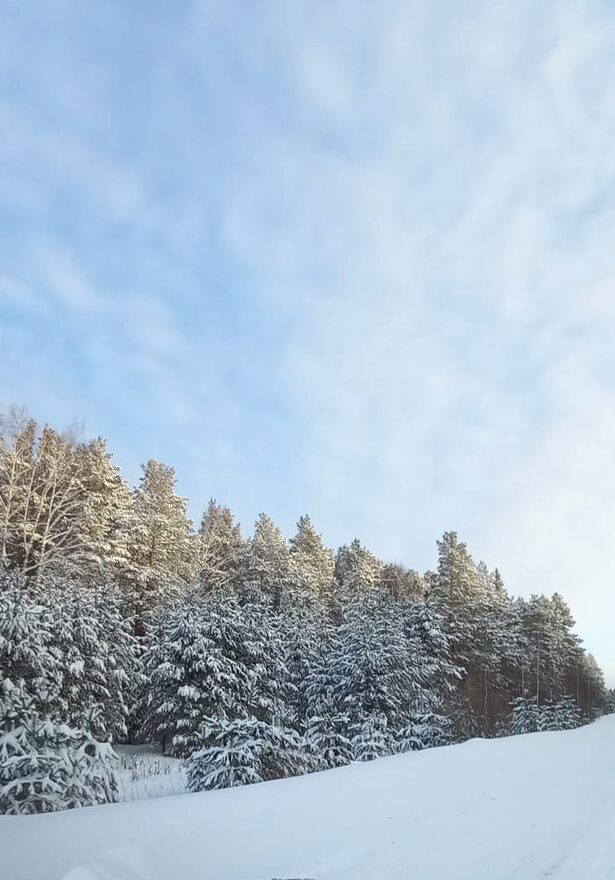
[(522, 808)]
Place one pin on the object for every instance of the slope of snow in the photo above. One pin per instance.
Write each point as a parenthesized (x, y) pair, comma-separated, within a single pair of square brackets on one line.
[(521, 808)]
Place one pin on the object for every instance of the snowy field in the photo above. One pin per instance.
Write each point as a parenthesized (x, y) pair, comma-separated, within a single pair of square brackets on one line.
[(521, 808)]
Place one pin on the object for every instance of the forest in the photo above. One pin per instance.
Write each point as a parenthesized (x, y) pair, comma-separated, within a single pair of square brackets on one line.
[(249, 657)]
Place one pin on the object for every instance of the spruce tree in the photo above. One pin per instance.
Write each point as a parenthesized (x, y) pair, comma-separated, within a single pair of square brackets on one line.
[(28, 648), (211, 657), (45, 765), (526, 716), (242, 752), (192, 662)]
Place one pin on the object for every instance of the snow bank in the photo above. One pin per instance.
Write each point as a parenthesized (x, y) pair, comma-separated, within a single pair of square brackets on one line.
[(526, 807)]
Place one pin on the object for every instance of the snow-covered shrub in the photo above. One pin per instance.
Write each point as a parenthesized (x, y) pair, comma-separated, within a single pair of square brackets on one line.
[(45, 765), (326, 743), (501, 728), (242, 752), (372, 739), (569, 714), (548, 717), (425, 731), (529, 717), (526, 715), (564, 715)]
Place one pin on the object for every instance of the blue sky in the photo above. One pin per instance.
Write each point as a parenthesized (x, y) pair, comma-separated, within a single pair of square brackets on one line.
[(347, 258)]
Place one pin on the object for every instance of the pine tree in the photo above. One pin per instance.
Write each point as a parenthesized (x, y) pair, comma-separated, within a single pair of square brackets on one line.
[(311, 564), (455, 591), (162, 548), (102, 526), (357, 571), (401, 583), (341, 656), (221, 547), (474, 614), (265, 566), (593, 690)]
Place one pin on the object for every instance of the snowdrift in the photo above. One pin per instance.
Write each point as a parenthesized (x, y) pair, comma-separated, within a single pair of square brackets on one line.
[(526, 807)]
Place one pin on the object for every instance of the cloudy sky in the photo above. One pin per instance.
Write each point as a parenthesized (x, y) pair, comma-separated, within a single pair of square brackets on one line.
[(350, 258)]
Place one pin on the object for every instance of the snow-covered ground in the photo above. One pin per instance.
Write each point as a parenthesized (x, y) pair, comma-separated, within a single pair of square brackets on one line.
[(145, 773), (522, 808)]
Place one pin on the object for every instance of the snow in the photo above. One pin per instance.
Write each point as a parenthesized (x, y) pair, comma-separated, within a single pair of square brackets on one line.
[(145, 773), (519, 808)]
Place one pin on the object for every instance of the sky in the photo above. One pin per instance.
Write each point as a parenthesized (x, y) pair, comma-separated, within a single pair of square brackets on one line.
[(353, 259)]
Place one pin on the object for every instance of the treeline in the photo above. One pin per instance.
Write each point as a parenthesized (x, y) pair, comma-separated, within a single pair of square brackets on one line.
[(252, 657)]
